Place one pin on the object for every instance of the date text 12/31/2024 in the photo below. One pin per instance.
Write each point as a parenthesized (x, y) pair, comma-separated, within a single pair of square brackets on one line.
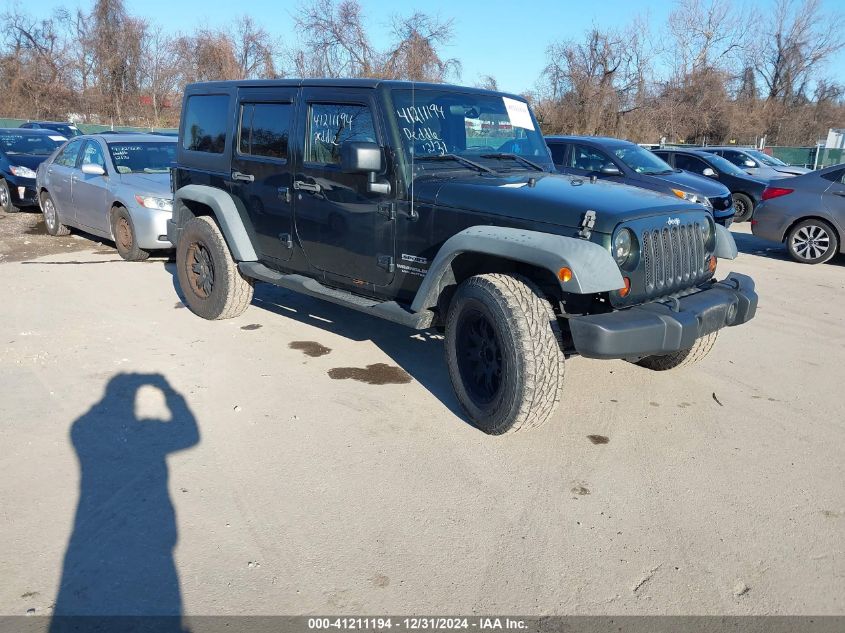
[(418, 623)]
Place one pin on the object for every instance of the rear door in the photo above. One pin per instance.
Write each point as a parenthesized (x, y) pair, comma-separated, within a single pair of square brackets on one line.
[(345, 229), (261, 178), (58, 180), (90, 191)]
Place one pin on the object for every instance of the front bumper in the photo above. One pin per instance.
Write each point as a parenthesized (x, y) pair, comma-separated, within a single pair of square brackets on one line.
[(663, 327), (22, 190), (151, 227)]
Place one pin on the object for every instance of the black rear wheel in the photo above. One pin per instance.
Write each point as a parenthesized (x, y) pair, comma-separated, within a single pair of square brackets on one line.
[(743, 207)]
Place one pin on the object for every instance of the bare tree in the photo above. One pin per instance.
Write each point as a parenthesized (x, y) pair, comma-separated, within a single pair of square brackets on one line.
[(336, 42), (414, 55)]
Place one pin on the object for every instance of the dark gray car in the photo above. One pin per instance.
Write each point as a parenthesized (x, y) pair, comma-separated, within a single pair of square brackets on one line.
[(757, 163), (807, 212)]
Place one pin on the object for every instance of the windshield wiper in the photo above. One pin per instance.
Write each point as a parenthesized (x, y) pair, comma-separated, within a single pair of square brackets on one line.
[(516, 157), (457, 159)]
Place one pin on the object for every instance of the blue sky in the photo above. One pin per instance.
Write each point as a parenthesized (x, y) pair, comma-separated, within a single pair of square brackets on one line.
[(506, 39)]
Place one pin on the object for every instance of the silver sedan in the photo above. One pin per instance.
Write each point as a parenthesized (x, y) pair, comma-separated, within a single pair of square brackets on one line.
[(115, 186), (807, 212)]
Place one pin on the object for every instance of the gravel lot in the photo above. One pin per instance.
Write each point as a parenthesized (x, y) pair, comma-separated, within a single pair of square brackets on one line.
[(318, 462)]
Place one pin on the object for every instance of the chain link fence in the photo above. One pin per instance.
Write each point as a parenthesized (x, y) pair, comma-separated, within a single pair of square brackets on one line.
[(91, 128)]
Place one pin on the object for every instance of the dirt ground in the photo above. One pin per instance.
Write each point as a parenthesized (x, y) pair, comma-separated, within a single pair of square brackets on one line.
[(304, 458)]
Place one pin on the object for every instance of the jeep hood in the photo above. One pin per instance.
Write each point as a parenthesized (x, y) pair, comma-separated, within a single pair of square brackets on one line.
[(553, 199)]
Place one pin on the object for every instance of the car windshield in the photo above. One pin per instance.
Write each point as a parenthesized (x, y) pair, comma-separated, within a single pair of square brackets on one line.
[(35, 144), (149, 157), (724, 165), (764, 158), (641, 160), (444, 129), (68, 131)]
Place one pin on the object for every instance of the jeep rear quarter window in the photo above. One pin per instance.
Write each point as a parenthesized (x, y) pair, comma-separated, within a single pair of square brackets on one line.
[(205, 123)]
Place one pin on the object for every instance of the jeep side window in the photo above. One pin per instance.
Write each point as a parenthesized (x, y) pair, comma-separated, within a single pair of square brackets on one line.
[(205, 123), (558, 153), (67, 157), (588, 159), (330, 125), (690, 163), (265, 129)]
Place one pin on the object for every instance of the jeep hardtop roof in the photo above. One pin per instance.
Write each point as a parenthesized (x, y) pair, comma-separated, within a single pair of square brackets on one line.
[(205, 86)]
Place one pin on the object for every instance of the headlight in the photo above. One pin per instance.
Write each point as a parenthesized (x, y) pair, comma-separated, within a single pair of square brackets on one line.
[(693, 197), (162, 204), (22, 172), (623, 245)]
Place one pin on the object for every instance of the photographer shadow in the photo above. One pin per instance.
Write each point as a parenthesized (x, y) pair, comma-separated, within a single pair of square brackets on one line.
[(119, 559)]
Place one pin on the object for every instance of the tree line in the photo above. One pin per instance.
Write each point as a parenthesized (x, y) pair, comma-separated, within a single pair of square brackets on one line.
[(715, 70)]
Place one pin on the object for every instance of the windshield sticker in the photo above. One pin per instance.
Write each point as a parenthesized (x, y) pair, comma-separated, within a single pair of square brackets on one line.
[(518, 113), (57, 138), (514, 185)]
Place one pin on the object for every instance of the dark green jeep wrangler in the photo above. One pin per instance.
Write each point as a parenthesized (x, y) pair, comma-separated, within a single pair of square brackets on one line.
[(437, 206)]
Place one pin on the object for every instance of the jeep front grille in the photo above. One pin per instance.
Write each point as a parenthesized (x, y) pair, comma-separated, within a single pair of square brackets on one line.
[(673, 258)]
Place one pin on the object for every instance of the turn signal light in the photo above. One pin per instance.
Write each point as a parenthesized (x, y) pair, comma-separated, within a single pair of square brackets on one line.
[(775, 192), (711, 263), (564, 274), (623, 292)]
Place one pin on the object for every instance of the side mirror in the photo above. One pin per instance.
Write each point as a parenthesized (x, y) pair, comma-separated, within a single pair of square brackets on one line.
[(749, 163), (93, 170), (709, 171), (364, 157), (610, 170), (360, 157)]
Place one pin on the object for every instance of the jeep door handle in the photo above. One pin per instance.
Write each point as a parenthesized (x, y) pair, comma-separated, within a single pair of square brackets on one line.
[(236, 175), (306, 186)]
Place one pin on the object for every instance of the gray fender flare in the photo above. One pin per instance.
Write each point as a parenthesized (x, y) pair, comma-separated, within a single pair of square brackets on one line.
[(725, 244), (225, 212), (593, 268)]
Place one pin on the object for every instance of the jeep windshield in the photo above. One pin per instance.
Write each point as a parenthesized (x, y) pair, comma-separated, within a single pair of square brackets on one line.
[(446, 129), (642, 161)]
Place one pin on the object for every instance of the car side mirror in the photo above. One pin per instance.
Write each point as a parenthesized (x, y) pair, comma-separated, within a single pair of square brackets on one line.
[(93, 170), (610, 170), (749, 163), (709, 171), (364, 157)]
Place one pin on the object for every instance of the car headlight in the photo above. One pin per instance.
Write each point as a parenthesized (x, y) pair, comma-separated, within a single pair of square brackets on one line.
[(623, 246), (22, 172), (693, 197), (151, 202)]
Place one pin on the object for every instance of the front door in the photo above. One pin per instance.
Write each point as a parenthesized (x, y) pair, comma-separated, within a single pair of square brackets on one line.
[(345, 229), (261, 168), (89, 190), (59, 174)]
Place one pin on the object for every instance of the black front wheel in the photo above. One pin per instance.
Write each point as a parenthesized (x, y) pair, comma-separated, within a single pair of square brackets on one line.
[(743, 207), (6, 198), (504, 353)]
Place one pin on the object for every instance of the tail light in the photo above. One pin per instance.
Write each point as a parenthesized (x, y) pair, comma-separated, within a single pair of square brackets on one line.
[(775, 192)]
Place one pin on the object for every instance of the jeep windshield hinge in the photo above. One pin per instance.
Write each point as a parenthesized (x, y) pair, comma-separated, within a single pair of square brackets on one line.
[(386, 262), (387, 209), (587, 224)]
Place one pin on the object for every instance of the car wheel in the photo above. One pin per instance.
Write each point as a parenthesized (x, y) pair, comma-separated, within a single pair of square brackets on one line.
[(743, 207), (51, 216), (124, 236), (209, 277), (812, 241), (504, 353), (682, 358), (6, 198)]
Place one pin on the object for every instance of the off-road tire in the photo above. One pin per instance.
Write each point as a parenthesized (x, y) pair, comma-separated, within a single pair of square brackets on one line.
[(812, 227), (125, 239), (528, 337), (681, 358), (51, 217), (229, 293), (6, 198), (744, 207)]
